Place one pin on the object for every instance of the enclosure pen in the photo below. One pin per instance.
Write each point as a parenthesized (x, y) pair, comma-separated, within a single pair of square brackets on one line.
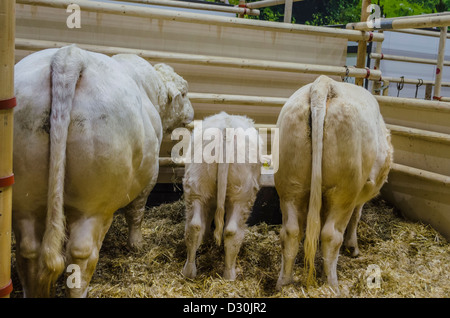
[(251, 67)]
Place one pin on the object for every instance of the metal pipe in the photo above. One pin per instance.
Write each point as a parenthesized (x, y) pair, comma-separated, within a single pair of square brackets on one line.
[(419, 32), (254, 64), (266, 3), (379, 56), (404, 23), (411, 81), (197, 6)]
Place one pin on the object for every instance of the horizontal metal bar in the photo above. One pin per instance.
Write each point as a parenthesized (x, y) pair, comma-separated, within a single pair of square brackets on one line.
[(119, 9), (26, 44), (377, 56), (197, 6)]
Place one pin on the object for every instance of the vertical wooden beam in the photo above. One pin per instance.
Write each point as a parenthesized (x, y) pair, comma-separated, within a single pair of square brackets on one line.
[(7, 33), (241, 4), (440, 64), (288, 11), (386, 90), (377, 84), (428, 91), (362, 45)]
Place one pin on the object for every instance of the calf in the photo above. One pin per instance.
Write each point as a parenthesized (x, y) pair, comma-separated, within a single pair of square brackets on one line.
[(334, 155), (220, 190)]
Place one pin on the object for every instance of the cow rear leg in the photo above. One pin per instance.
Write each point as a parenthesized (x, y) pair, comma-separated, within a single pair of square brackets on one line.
[(331, 241), (351, 238), (28, 233), (85, 240), (233, 237), (290, 235), (134, 214), (194, 232)]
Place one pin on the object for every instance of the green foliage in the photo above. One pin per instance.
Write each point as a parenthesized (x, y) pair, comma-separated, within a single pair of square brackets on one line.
[(326, 12), (274, 13), (271, 14), (406, 7), (329, 12)]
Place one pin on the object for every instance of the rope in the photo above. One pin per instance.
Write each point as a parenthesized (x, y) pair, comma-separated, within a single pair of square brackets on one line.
[(347, 71), (382, 88)]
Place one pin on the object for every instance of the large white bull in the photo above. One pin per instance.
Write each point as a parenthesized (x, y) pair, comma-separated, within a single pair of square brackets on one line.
[(335, 154), (87, 134)]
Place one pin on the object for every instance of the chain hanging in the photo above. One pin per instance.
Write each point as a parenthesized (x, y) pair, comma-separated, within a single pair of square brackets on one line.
[(400, 85), (418, 85)]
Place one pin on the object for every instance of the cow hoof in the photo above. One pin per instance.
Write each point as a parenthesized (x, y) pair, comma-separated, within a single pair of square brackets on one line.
[(352, 251), (135, 241), (282, 281), (335, 290), (135, 245), (229, 274), (190, 270)]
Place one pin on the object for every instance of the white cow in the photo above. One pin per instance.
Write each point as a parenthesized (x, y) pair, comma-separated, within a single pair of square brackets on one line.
[(221, 190), (87, 134), (335, 154)]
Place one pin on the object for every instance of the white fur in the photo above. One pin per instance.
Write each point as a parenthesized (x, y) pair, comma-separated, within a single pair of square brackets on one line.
[(219, 191), (327, 172), (101, 155)]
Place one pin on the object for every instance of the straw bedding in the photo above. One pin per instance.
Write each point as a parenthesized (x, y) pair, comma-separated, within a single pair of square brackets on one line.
[(413, 258)]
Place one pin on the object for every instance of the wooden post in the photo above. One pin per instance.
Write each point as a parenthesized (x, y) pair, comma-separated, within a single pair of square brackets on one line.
[(440, 63), (386, 90), (7, 102), (428, 91), (362, 45), (376, 85), (287, 11), (241, 4)]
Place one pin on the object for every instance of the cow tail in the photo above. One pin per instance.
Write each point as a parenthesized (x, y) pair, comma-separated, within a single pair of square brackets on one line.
[(66, 67), (222, 180), (318, 93)]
